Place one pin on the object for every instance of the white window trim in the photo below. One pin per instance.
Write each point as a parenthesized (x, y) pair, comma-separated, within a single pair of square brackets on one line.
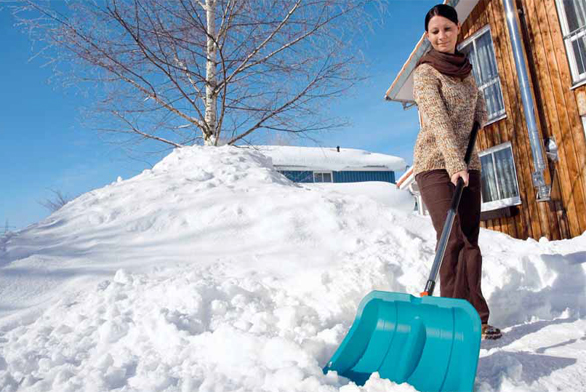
[(511, 201), (576, 76), (323, 172), (498, 118), (578, 84), (495, 205), (472, 39), (474, 36)]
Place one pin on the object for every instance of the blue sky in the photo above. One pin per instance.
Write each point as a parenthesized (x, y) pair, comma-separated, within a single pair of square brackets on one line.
[(44, 145)]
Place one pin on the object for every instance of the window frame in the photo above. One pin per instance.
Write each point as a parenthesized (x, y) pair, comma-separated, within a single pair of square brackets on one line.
[(322, 172), (501, 203), (568, 38), (472, 41)]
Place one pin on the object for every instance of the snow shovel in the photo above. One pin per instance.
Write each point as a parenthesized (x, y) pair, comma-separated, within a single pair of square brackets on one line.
[(431, 343)]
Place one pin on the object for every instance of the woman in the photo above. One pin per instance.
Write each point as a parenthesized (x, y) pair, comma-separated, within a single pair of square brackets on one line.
[(449, 103)]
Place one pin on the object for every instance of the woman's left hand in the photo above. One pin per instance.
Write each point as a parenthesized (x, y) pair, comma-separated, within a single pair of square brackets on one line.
[(463, 174)]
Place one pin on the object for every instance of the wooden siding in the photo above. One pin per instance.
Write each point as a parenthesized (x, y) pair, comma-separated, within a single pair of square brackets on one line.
[(557, 116)]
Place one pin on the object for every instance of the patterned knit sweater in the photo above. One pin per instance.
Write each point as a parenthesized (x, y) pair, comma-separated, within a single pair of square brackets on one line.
[(448, 107)]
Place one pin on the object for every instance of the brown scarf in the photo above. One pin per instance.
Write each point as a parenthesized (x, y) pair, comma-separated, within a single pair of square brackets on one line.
[(456, 64)]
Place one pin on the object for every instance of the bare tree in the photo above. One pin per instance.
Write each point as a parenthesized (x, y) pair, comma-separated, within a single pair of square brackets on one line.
[(183, 72), (7, 227), (58, 200)]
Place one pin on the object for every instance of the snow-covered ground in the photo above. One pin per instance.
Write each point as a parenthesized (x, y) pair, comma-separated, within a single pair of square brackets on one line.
[(212, 272)]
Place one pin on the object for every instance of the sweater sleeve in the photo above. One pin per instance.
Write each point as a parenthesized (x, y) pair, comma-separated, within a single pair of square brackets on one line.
[(426, 91), (481, 114)]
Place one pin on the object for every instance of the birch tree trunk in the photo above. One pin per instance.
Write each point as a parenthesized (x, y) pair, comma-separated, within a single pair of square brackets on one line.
[(211, 100), (184, 72)]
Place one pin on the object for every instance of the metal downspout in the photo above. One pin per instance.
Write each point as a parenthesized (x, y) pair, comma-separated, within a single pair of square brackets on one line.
[(543, 190)]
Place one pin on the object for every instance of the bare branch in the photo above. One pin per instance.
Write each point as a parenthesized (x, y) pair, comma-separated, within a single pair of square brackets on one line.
[(192, 71), (144, 134), (53, 204), (244, 64)]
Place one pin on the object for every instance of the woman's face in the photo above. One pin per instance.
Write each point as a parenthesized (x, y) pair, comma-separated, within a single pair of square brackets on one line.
[(443, 34)]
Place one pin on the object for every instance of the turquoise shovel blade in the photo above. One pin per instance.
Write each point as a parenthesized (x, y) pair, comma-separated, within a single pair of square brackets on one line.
[(432, 343)]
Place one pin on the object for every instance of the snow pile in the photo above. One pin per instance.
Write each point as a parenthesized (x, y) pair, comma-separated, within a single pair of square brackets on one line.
[(212, 272), (383, 192)]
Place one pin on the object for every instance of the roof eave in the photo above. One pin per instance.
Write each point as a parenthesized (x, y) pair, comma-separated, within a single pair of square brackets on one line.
[(405, 72)]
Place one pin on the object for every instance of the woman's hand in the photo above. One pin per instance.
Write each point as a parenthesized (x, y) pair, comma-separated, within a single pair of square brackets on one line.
[(463, 174)]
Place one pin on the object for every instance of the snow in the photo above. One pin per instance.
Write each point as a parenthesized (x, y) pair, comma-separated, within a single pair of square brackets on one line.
[(318, 158), (382, 192), (213, 272)]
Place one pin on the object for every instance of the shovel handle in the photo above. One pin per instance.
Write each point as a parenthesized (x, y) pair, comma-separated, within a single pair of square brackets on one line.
[(447, 229)]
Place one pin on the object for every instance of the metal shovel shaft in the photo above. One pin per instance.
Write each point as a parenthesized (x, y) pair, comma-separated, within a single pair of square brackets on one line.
[(449, 223)]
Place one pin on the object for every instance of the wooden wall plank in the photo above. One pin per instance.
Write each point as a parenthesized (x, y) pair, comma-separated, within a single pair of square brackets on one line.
[(543, 211), (513, 225), (538, 68), (574, 133), (486, 137), (515, 122), (564, 104), (540, 48), (558, 115), (492, 132)]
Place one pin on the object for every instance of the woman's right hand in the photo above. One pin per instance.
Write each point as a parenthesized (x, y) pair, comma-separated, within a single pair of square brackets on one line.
[(463, 174)]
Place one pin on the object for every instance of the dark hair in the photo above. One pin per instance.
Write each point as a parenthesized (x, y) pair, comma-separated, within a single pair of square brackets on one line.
[(444, 10)]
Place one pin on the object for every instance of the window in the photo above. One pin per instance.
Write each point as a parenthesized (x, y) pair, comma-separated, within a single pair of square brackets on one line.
[(499, 178), (480, 51), (322, 177), (573, 20)]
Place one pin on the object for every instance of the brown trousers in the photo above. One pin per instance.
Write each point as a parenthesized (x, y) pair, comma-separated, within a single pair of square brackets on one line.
[(461, 269)]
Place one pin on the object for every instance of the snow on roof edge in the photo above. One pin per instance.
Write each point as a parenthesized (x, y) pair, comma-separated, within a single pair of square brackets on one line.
[(327, 158)]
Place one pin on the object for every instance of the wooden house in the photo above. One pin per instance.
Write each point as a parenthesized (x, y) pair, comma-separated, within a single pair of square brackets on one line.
[(335, 165), (529, 59)]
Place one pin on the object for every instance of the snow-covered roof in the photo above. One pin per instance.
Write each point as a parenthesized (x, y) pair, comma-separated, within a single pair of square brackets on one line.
[(322, 158)]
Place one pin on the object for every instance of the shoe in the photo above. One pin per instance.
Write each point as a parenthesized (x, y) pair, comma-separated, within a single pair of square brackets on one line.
[(490, 332)]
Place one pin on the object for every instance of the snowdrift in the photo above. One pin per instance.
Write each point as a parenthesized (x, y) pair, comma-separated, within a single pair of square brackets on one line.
[(212, 272)]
